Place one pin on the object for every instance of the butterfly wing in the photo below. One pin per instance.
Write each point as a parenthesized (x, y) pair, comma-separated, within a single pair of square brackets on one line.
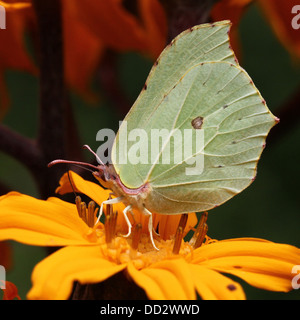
[(234, 124), (202, 89), (207, 42)]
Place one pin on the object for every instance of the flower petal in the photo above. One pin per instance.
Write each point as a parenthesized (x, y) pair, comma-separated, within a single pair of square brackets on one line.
[(91, 189), (169, 279), (38, 222), (15, 6), (11, 291), (81, 49), (211, 285), (280, 18), (146, 282), (121, 30), (266, 265), (5, 254), (155, 22), (95, 192), (13, 54), (53, 277), (180, 269)]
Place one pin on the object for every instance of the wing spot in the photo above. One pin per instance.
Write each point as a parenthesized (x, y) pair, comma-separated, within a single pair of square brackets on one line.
[(197, 122)]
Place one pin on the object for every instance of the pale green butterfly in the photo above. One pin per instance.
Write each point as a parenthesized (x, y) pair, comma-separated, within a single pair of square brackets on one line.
[(196, 85)]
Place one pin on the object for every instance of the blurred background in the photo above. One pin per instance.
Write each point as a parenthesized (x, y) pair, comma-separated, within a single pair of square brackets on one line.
[(269, 208)]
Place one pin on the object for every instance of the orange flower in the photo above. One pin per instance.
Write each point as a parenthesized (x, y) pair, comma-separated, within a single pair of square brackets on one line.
[(93, 253), (10, 292), (278, 13), (89, 27), (12, 52), (5, 255)]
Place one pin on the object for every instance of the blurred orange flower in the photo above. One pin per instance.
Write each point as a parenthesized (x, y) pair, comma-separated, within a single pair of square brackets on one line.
[(89, 27), (5, 255), (10, 292), (12, 53), (277, 12)]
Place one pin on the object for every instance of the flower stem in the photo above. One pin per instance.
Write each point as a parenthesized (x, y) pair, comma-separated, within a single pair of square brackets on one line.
[(52, 101)]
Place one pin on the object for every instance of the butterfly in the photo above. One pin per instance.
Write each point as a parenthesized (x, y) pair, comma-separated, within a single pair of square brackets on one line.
[(193, 138)]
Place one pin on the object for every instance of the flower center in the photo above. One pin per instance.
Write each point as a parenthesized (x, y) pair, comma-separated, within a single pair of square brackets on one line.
[(138, 248)]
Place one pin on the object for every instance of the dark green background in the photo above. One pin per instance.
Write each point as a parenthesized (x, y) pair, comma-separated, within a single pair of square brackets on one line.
[(268, 209)]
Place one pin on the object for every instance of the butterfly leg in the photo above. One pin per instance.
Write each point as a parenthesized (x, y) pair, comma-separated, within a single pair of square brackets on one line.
[(128, 208), (150, 227), (109, 201)]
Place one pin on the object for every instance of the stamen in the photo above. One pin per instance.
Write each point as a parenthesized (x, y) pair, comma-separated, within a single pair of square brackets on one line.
[(88, 215), (183, 220), (83, 211), (78, 201), (110, 223), (178, 240), (200, 232), (136, 236), (91, 214), (201, 236), (107, 227), (179, 233)]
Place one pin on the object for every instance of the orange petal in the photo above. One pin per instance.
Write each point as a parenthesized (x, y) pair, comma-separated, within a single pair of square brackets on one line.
[(119, 29), (155, 22), (5, 255), (165, 280), (38, 222), (279, 14), (54, 276), (82, 52), (151, 286), (13, 54), (212, 285), (95, 192), (261, 263), (180, 269), (10, 291), (91, 189), (15, 6), (232, 10)]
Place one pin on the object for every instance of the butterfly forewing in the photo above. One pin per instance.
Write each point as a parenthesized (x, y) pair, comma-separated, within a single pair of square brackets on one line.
[(212, 123)]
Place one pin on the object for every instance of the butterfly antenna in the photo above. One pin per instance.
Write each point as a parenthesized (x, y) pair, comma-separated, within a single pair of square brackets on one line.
[(94, 153)]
